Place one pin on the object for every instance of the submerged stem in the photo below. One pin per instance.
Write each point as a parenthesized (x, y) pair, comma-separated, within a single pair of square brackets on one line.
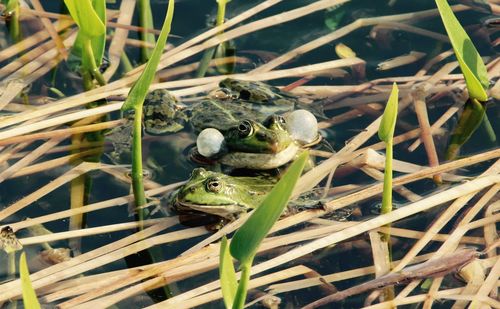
[(137, 176), (241, 293), (89, 54)]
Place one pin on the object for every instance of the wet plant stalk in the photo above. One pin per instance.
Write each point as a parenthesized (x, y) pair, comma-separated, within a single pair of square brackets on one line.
[(13, 10), (209, 53), (89, 54), (137, 176), (241, 293), (387, 195), (146, 22)]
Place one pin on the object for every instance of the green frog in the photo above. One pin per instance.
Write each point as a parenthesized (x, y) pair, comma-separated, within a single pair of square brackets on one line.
[(161, 115), (227, 197), (245, 129), (241, 125), (220, 194), (250, 144), (224, 108)]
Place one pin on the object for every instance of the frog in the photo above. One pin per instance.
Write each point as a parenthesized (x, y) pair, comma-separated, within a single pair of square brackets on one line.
[(235, 100), (219, 194), (227, 197), (238, 105), (253, 134), (161, 115), (250, 145)]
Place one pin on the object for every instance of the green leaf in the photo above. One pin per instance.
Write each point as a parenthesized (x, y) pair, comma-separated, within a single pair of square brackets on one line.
[(146, 22), (225, 50), (139, 90), (388, 123), (248, 238), (470, 61), (29, 296), (469, 121), (85, 17), (227, 274), (98, 41)]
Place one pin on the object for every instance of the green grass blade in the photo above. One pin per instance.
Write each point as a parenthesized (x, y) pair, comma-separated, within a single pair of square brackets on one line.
[(227, 274), (99, 42), (146, 22), (85, 17), (470, 61), (13, 10), (29, 296), (91, 40), (248, 238), (139, 90), (388, 123)]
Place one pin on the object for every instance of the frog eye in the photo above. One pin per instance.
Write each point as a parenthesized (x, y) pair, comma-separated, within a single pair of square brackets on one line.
[(214, 185), (245, 128)]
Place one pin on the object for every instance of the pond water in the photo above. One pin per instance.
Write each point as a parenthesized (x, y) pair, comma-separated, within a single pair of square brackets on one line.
[(167, 157)]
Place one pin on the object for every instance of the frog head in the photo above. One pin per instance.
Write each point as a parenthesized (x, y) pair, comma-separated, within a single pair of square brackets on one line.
[(252, 137), (218, 194)]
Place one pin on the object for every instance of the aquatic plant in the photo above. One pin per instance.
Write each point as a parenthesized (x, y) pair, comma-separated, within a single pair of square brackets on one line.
[(134, 102), (386, 134), (219, 50), (89, 45), (476, 79), (29, 296), (247, 239)]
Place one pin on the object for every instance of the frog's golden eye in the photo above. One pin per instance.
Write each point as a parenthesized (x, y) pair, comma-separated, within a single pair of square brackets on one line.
[(214, 185), (245, 128)]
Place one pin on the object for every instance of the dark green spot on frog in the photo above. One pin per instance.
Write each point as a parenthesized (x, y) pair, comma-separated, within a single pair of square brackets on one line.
[(162, 114)]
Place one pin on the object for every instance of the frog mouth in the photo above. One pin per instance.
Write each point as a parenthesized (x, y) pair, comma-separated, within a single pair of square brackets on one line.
[(222, 210), (260, 161)]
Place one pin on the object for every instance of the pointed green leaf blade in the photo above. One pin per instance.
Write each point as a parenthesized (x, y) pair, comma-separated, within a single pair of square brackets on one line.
[(228, 281), (85, 17), (248, 238), (388, 123), (29, 296), (139, 90), (470, 61), (146, 22), (99, 42)]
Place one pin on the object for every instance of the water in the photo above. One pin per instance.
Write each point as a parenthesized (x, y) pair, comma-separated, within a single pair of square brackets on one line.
[(171, 152)]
